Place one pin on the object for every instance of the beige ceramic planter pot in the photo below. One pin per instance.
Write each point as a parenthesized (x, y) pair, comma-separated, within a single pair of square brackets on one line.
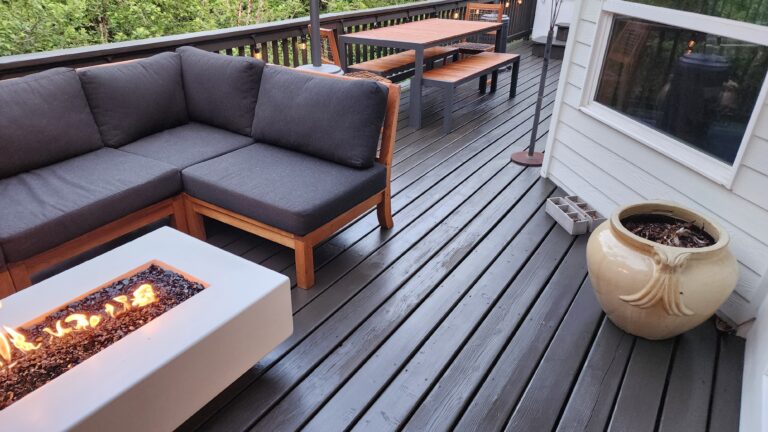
[(657, 291)]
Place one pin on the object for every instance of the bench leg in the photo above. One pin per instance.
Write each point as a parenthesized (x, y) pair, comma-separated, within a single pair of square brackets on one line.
[(494, 80), (384, 210), (513, 84), (448, 110), (482, 85), (6, 284), (305, 264)]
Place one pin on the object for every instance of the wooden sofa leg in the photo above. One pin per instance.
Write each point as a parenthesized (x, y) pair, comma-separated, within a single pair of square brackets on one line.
[(195, 225), (384, 210), (20, 276), (179, 216), (6, 284), (305, 265)]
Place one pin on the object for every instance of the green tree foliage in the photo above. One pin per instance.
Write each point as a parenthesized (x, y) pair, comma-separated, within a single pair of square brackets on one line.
[(40, 25)]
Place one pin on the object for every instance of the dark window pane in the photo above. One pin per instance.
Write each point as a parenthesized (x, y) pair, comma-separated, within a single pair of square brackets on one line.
[(751, 11), (699, 88)]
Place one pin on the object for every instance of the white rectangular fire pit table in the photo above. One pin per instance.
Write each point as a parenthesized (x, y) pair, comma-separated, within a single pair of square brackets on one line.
[(163, 372)]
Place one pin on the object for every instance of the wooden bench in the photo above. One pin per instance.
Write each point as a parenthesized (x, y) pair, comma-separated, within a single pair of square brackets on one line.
[(394, 63), (451, 75)]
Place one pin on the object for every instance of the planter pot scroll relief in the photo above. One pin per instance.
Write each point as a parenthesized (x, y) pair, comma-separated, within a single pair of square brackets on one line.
[(657, 291)]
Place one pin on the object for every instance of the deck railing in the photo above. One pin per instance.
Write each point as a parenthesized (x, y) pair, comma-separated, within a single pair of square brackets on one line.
[(280, 42)]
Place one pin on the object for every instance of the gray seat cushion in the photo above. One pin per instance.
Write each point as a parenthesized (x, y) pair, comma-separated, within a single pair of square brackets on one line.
[(51, 205), (187, 145), (282, 188), (44, 118), (221, 90), (132, 100), (334, 119)]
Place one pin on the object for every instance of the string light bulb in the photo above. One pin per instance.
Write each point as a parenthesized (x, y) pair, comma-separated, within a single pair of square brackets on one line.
[(303, 43), (506, 5), (519, 2), (256, 52), (455, 15)]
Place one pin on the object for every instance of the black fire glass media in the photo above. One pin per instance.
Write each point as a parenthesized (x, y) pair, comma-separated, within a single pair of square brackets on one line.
[(696, 87)]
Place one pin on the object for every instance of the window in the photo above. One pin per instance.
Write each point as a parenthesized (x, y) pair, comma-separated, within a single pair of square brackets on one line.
[(699, 88), (750, 11)]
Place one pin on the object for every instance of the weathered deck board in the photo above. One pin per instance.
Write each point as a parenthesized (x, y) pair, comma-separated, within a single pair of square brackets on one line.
[(591, 402), (726, 395), (473, 312), (690, 382), (547, 391), (642, 390)]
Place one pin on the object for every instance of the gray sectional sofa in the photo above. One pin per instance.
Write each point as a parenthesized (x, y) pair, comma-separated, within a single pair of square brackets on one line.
[(89, 155)]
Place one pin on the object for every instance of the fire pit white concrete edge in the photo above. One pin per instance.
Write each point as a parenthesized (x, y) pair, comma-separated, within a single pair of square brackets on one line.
[(162, 373)]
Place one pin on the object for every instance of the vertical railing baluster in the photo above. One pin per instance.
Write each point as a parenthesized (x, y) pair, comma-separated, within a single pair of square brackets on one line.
[(286, 52), (275, 53), (294, 51)]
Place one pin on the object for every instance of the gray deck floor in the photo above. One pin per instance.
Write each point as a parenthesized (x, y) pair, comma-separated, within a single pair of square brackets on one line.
[(474, 313)]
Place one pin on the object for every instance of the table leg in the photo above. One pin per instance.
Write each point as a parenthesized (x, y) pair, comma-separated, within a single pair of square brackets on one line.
[(513, 84), (448, 108), (415, 114)]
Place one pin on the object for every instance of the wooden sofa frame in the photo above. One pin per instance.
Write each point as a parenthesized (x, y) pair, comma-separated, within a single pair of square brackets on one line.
[(186, 214), (18, 274), (303, 246)]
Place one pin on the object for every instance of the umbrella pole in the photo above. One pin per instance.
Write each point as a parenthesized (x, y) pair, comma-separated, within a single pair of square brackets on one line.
[(317, 43), (314, 20)]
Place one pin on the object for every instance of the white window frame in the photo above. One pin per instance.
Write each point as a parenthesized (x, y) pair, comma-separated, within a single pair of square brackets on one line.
[(704, 164)]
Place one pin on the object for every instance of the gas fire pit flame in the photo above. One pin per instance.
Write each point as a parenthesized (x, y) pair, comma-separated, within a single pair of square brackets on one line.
[(81, 321), (142, 296), (60, 330), (123, 300), (5, 350), (20, 341)]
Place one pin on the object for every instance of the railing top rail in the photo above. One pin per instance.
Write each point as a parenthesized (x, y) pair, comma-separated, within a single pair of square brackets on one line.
[(154, 44)]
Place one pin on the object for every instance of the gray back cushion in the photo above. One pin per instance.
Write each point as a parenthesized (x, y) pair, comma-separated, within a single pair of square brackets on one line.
[(221, 90), (337, 120), (136, 99), (44, 118)]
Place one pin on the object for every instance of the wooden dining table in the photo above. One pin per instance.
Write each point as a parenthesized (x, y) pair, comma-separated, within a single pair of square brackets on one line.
[(418, 36)]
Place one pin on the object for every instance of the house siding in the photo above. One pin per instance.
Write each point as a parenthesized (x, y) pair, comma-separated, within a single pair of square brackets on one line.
[(608, 169)]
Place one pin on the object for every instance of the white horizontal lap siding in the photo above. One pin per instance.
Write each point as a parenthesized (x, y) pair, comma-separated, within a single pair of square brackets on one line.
[(608, 168)]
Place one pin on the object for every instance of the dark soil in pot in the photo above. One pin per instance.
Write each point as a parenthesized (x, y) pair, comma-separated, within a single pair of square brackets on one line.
[(667, 231)]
